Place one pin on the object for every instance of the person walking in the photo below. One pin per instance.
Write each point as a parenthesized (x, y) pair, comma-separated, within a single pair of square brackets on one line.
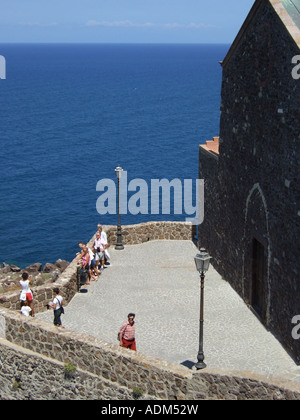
[(127, 333), (57, 305)]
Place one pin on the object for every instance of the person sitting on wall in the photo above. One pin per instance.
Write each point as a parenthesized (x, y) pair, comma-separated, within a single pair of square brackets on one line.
[(25, 309)]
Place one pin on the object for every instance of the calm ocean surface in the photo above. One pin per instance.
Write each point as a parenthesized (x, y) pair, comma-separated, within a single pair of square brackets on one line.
[(71, 113)]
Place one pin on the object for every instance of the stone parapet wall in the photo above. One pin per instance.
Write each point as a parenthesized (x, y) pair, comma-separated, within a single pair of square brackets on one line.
[(67, 284), (28, 375), (151, 231), (34, 354)]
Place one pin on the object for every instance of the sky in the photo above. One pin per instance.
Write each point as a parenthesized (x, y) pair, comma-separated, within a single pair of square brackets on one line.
[(122, 21)]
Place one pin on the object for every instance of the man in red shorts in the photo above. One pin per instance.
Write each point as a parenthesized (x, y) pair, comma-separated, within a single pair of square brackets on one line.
[(127, 333)]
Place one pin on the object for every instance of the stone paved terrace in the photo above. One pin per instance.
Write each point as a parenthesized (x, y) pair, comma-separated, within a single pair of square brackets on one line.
[(158, 281)]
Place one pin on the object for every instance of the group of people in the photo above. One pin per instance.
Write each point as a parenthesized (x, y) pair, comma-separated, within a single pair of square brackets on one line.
[(92, 260), (26, 299)]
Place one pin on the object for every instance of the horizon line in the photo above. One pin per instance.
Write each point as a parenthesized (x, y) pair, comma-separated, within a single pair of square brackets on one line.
[(112, 43)]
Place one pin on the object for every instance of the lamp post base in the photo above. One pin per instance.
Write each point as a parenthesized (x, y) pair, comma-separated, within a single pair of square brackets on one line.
[(119, 245), (200, 365)]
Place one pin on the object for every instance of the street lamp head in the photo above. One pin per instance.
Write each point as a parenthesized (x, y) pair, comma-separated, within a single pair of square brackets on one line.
[(118, 172), (202, 261)]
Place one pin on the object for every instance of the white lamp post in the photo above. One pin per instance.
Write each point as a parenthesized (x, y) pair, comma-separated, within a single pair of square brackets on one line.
[(119, 245)]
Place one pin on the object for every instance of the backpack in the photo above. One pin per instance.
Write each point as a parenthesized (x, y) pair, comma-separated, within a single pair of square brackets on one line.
[(61, 307)]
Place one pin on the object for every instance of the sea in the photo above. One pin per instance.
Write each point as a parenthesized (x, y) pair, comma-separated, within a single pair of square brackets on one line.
[(71, 113)]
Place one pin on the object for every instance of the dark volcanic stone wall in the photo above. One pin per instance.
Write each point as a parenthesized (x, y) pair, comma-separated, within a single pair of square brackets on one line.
[(254, 187)]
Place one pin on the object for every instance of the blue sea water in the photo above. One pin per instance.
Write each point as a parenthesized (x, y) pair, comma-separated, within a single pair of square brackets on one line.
[(71, 113)]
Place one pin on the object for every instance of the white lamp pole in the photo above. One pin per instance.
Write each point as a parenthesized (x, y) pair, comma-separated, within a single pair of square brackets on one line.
[(119, 245)]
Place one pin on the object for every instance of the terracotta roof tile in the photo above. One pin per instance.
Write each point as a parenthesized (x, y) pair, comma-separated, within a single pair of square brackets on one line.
[(212, 146)]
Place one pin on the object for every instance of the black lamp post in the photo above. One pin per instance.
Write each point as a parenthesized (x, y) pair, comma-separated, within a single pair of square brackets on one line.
[(202, 262), (119, 245)]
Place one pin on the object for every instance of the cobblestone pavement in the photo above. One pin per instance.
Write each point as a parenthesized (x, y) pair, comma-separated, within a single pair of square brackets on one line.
[(158, 281)]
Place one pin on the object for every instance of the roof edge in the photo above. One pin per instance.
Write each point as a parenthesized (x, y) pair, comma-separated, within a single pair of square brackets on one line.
[(287, 20), (241, 32), (283, 15)]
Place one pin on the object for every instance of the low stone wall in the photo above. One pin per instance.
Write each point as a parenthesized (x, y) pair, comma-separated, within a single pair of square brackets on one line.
[(26, 375), (151, 231), (34, 354), (67, 283)]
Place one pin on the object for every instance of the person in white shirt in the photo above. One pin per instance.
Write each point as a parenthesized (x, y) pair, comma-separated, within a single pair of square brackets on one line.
[(100, 246), (26, 293), (25, 310), (57, 305)]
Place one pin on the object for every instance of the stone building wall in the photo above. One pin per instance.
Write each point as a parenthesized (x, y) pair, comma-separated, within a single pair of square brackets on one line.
[(255, 187), (34, 357), (209, 233)]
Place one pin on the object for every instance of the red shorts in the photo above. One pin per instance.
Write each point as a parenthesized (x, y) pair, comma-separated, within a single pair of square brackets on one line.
[(131, 345)]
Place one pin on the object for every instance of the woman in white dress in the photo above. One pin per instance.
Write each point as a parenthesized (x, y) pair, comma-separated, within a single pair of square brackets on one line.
[(26, 293)]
